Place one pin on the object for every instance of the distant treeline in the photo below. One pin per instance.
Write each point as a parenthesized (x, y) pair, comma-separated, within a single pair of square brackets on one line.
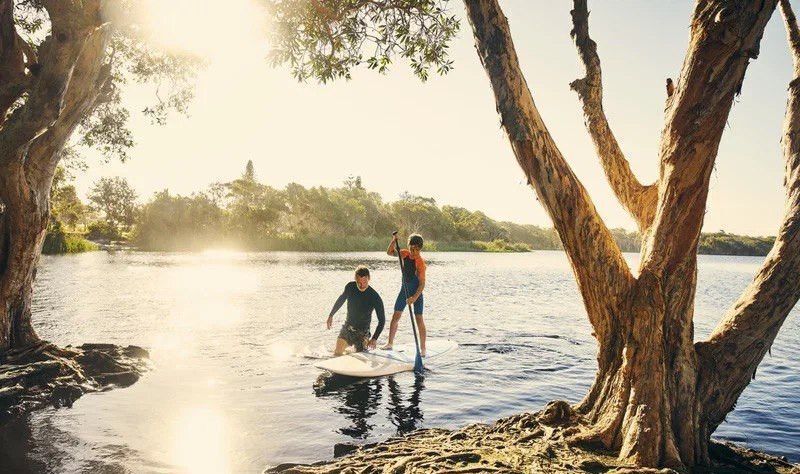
[(249, 215)]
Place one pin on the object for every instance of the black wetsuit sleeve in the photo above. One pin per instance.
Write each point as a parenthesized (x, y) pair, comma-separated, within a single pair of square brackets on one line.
[(379, 311), (340, 301)]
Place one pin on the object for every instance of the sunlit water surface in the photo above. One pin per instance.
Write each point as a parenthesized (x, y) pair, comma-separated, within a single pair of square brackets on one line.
[(229, 390)]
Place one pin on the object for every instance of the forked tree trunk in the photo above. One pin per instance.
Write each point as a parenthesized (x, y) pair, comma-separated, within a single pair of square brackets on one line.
[(644, 401)]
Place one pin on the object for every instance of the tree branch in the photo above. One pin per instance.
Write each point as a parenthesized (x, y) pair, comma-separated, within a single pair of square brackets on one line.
[(731, 355), (86, 88), (725, 35), (638, 199), (12, 65), (588, 242)]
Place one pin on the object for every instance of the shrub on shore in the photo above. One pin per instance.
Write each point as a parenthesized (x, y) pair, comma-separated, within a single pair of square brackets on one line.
[(59, 242)]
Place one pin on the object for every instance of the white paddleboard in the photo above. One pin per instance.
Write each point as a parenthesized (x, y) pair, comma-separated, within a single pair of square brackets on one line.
[(380, 362)]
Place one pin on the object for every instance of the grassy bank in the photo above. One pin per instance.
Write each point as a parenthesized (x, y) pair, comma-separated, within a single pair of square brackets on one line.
[(322, 244), (57, 242), (710, 244)]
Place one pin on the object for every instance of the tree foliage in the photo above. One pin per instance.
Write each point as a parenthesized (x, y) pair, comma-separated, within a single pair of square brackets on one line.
[(130, 57), (324, 40), (254, 207), (171, 222), (115, 199), (246, 214), (65, 206)]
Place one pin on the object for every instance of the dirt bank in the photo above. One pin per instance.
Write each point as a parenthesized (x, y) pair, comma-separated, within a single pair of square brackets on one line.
[(526, 443)]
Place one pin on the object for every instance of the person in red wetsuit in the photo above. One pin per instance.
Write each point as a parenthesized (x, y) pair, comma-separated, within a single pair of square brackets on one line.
[(414, 280)]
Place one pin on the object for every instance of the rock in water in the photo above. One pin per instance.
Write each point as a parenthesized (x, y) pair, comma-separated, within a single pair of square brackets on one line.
[(45, 374)]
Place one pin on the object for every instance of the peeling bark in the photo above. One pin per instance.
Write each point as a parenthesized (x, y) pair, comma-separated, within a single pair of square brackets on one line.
[(22, 228), (662, 422), (12, 65)]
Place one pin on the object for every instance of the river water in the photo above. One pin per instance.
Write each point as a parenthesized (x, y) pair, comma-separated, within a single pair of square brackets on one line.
[(229, 390)]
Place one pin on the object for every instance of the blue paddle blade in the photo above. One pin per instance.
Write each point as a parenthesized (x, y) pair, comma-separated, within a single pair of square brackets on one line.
[(418, 363)]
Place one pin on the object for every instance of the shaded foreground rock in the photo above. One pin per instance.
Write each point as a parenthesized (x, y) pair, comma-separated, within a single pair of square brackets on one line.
[(525, 443), (46, 374)]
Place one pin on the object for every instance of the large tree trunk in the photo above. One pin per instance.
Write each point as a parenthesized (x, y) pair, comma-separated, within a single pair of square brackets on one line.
[(72, 78), (22, 227), (644, 401)]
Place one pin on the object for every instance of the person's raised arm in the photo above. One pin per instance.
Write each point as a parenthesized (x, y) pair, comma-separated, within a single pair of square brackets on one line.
[(391, 250), (338, 304)]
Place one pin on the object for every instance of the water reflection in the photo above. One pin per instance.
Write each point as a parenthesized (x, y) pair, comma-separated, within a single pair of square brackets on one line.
[(405, 415), (361, 399), (64, 452), (16, 439)]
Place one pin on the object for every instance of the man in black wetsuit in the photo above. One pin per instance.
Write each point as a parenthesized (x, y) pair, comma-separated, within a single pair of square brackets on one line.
[(361, 299)]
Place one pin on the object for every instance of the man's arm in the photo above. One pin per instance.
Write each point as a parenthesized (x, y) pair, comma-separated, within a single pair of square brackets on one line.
[(391, 250), (338, 304), (379, 311)]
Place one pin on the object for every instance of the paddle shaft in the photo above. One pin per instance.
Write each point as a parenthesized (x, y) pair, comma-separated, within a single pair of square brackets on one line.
[(405, 292)]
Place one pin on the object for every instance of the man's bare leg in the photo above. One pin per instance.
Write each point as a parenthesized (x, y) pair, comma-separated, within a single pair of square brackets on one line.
[(393, 329), (341, 345), (422, 333)]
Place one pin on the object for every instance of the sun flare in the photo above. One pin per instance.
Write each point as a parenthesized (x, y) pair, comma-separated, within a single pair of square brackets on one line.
[(281, 351), (213, 30), (199, 440)]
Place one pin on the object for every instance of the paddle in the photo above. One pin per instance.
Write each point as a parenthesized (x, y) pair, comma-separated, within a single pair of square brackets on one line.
[(418, 361)]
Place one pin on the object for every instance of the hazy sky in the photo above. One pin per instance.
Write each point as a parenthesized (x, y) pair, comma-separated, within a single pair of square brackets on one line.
[(442, 138)]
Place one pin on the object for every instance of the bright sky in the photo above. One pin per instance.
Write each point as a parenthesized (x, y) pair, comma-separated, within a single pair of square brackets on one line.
[(442, 138)]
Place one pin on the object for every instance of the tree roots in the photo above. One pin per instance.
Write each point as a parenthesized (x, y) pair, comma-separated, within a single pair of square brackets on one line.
[(525, 443), (44, 374)]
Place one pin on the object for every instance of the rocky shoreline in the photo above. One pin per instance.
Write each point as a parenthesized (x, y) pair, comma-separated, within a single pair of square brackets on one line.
[(525, 443), (48, 375)]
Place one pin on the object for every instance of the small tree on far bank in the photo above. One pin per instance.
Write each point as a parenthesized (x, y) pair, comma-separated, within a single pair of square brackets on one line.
[(66, 207), (253, 207), (115, 200)]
